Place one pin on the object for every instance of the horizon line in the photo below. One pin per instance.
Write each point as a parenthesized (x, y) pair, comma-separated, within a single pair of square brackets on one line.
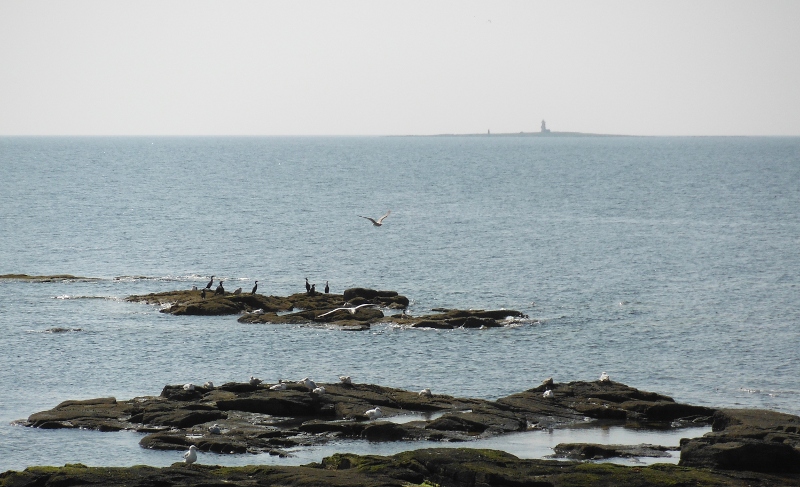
[(473, 134)]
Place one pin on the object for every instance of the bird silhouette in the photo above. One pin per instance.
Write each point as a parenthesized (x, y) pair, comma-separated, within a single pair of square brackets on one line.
[(254, 288), (351, 310), (379, 221), (208, 286)]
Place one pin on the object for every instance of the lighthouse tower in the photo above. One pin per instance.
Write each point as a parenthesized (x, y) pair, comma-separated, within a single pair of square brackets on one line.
[(545, 130)]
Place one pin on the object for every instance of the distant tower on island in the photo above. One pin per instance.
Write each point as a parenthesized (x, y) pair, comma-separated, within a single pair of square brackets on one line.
[(545, 130)]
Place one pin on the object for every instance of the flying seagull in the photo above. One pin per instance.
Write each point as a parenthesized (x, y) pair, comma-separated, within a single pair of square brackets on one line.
[(379, 221), (351, 310)]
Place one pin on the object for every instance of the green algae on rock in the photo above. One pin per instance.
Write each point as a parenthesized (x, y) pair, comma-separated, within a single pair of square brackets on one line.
[(444, 467)]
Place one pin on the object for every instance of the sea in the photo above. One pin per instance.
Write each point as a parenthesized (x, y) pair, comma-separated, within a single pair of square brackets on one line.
[(671, 263)]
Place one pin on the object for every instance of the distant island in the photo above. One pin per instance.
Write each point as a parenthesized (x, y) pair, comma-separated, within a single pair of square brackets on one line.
[(543, 132)]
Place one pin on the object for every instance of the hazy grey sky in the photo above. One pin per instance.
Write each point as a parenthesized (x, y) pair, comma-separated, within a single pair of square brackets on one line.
[(399, 67)]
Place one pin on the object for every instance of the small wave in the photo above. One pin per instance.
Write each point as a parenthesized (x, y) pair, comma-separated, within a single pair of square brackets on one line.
[(56, 329), (770, 392), (67, 296), (169, 278)]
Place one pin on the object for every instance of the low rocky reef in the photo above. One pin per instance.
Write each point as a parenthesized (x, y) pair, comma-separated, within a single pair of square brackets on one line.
[(355, 309), (442, 467), (51, 278), (255, 417)]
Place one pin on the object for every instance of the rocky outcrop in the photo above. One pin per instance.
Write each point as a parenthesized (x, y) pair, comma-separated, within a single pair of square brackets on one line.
[(257, 418), (603, 400), (50, 278), (594, 451), (448, 319), (445, 467), (192, 302), (354, 310), (747, 439)]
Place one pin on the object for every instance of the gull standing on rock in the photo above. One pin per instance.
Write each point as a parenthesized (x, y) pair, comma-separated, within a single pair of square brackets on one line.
[(604, 377), (254, 381), (278, 387), (214, 430), (310, 384), (425, 393), (345, 379), (374, 413), (190, 456), (379, 221)]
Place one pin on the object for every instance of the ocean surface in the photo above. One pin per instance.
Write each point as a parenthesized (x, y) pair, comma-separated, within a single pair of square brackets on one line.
[(671, 263)]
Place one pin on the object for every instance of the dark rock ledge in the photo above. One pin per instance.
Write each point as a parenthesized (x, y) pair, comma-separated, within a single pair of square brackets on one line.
[(51, 278), (443, 467), (349, 311), (255, 418), (746, 447)]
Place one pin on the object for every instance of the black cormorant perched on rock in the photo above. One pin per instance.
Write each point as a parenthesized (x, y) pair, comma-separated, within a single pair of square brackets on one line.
[(254, 288), (208, 286), (308, 286), (220, 289), (203, 294), (313, 289), (327, 288)]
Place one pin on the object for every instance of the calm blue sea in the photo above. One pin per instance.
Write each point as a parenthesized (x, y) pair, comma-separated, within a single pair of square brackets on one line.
[(671, 263)]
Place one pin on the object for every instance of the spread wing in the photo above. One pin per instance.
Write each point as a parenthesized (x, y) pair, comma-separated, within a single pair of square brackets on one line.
[(380, 220), (331, 312)]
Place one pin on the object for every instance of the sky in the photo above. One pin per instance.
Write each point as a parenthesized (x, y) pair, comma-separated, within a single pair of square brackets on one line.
[(198, 67)]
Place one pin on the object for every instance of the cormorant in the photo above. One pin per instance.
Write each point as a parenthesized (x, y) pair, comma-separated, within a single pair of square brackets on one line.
[(203, 294), (308, 286), (327, 289), (254, 288), (208, 286), (220, 289)]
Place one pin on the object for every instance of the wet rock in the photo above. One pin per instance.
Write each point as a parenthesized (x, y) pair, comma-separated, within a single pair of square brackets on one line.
[(192, 303), (458, 318), (447, 467), (594, 451), (254, 418), (387, 299), (49, 278), (746, 439)]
